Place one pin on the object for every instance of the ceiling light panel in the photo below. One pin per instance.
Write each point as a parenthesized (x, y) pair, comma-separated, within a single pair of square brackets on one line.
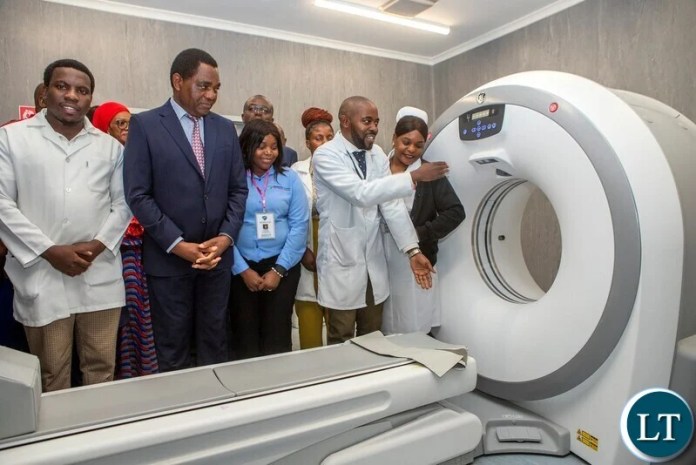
[(371, 13)]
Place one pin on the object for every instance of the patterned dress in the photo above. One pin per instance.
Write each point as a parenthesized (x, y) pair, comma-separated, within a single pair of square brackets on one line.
[(136, 345)]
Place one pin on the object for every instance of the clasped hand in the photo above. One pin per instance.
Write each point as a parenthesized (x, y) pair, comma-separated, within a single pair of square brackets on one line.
[(73, 259), (255, 282), (203, 256)]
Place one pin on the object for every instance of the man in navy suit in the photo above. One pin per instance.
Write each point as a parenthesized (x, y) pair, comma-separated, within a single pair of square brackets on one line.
[(289, 154), (185, 182)]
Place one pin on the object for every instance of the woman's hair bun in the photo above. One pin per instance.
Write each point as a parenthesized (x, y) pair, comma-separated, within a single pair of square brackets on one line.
[(313, 114)]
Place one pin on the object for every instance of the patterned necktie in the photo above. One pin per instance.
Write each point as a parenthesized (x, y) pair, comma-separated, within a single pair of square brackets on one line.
[(362, 163), (197, 143)]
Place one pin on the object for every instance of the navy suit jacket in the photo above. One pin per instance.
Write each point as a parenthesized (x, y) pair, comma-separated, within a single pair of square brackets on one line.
[(289, 156), (168, 194)]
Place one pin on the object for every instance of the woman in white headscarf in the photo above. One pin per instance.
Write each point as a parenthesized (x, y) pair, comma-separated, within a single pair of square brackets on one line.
[(435, 211)]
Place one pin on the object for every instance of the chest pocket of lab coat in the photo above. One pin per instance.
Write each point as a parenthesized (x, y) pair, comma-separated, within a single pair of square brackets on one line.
[(99, 175), (345, 245)]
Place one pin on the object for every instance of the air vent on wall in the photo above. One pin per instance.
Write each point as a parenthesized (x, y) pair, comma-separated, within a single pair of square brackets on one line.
[(408, 8)]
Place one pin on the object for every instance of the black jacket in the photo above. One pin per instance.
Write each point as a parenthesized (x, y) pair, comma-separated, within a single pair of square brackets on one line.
[(436, 212)]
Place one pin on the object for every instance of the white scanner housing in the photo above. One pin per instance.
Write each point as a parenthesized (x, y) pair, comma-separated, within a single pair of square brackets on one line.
[(618, 169)]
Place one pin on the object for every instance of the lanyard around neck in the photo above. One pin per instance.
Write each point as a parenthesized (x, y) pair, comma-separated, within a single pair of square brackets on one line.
[(356, 168), (262, 193)]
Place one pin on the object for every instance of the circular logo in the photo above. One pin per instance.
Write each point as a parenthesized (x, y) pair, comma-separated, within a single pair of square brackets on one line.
[(657, 425)]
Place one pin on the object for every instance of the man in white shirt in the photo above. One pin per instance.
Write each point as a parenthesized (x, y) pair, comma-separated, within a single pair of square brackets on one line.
[(354, 190), (62, 217)]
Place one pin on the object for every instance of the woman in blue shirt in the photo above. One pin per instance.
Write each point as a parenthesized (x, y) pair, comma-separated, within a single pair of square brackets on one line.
[(271, 243)]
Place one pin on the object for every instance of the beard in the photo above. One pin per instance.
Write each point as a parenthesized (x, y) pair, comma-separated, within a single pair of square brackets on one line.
[(361, 142)]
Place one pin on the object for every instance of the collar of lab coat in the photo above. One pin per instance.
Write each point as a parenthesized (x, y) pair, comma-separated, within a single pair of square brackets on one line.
[(39, 120), (350, 148), (80, 141)]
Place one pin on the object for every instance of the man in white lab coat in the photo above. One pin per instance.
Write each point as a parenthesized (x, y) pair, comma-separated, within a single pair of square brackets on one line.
[(354, 189), (62, 217)]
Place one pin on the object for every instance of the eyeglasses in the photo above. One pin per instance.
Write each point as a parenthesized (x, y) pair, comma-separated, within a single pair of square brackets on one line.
[(259, 109), (122, 123)]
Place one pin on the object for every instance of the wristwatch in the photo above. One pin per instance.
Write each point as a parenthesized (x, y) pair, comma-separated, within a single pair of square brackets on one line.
[(279, 270), (413, 252)]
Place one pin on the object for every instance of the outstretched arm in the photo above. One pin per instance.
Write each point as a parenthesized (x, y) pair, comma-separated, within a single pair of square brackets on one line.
[(336, 171)]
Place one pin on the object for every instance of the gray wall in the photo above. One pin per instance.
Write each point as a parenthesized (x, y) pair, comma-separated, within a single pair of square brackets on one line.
[(130, 59), (645, 46)]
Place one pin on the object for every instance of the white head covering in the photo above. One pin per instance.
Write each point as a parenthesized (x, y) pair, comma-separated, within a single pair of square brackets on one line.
[(412, 111)]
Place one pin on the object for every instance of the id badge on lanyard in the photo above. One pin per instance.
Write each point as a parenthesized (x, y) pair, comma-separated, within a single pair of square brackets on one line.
[(265, 225), (265, 221)]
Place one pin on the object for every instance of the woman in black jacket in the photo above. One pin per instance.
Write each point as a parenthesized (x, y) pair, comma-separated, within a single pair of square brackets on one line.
[(435, 211)]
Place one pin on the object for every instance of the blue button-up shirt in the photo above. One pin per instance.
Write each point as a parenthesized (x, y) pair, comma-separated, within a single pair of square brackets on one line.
[(187, 123), (286, 199)]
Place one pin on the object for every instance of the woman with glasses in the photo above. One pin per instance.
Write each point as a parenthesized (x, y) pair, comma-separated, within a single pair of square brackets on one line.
[(113, 118), (136, 345), (267, 253)]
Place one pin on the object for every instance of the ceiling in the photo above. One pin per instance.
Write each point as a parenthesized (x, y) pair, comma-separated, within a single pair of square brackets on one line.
[(472, 22)]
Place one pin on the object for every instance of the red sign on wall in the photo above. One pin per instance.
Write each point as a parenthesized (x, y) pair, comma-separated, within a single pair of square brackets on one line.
[(26, 111)]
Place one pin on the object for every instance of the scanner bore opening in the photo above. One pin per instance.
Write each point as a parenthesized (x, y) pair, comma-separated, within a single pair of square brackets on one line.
[(516, 241)]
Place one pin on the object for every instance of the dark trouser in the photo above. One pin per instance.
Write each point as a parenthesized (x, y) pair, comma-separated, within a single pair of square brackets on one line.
[(341, 324), (11, 331), (261, 321), (182, 307)]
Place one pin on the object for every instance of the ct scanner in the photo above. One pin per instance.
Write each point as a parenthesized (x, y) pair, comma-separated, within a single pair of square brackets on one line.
[(618, 169), (553, 370)]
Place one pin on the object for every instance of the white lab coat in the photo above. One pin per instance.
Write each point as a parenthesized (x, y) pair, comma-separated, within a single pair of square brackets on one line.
[(350, 243), (305, 290), (409, 308), (56, 192)]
